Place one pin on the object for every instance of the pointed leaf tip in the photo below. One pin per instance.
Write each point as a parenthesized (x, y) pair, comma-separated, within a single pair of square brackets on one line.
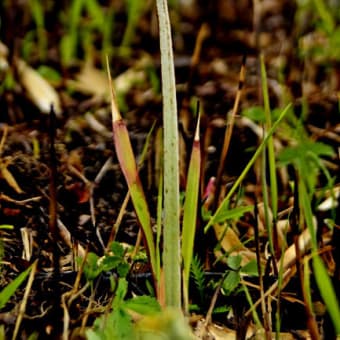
[(197, 132)]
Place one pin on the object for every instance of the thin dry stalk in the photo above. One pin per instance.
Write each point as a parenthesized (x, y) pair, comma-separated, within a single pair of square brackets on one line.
[(229, 129), (119, 219), (68, 297)]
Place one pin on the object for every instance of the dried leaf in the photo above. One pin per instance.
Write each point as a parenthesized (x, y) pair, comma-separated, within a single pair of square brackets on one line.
[(93, 81), (8, 177), (42, 94)]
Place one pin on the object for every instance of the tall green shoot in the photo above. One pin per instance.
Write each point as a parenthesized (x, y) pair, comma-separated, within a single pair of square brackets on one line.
[(171, 252), (271, 156), (190, 214), (322, 278), (134, 11), (38, 14)]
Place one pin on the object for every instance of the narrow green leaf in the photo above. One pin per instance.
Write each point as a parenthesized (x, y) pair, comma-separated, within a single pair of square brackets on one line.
[(10, 289), (270, 147), (325, 15), (327, 292), (190, 210), (225, 202), (231, 214)]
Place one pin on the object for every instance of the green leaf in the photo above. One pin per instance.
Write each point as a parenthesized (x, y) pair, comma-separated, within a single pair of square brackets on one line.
[(231, 214), (290, 155), (91, 268), (221, 309), (121, 326), (206, 214), (234, 262), (67, 47), (96, 13), (321, 149), (325, 15), (255, 113), (231, 282), (123, 269), (250, 268), (49, 73), (145, 305), (117, 249), (110, 262), (190, 213), (327, 292), (93, 335), (120, 293), (10, 289)]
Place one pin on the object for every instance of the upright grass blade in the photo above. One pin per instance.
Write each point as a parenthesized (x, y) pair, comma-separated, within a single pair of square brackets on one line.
[(171, 253), (271, 153), (135, 9), (327, 292), (129, 168), (225, 202), (68, 42), (190, 213), (38, 14), (322, 278)]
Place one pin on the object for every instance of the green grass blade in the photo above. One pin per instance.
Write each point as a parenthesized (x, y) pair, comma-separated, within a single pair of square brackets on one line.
[(271, 151), (171, 253), (225, 202), (327, 292), (135, 9), (190, 213), (322, 278), (325, 15), (39, 18), (129, 168), (69, 40), (10, 289)]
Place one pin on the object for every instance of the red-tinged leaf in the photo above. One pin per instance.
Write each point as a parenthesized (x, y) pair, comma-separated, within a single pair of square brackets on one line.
[(129, 168)]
